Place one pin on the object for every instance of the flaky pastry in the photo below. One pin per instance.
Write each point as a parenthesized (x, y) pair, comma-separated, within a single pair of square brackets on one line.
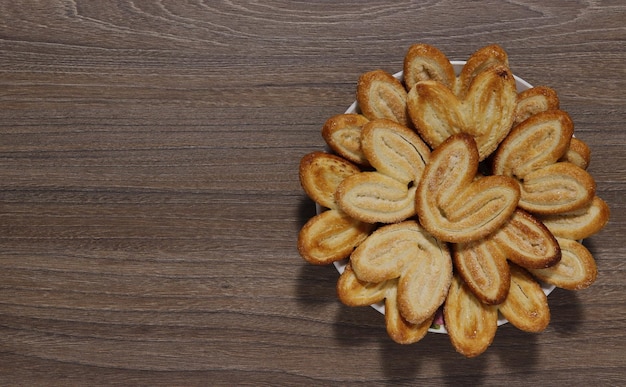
[(342, 133), (486, 112), (453, 205), (581, 223), (471, 324), (578, 153), (320, 173), (535, 100), (380, 95), (482, 59), (527, 242), (424, 62), (540, 140), (395, 150), (331, 236), (421, 262), (576, 270), (354, 292), (526, 306), (556, 188), (483, 266)]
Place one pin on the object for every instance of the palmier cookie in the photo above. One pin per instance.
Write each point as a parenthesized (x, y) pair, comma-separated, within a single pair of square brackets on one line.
[(481, 60), (421, 262), (380, 95), (578, 153), (483, 266), (373, 197), (331, 236), (354, 292), (342, 133), (399, 328), (394, 150), (576, 270), (454, 206), (424, 62), (527, 242), (320, 173), (581, 223), (556, 188), (526, 306), (535, 100), (486, 112), (471, 324), (540, 140)]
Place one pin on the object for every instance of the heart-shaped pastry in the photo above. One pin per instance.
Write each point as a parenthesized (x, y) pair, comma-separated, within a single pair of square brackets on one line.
[(454, 206), (486, 112), (421, 262), (578, 153), (556, 188), (331, 235), (540, 140), (394, 150), (386, 195), (380, 95)]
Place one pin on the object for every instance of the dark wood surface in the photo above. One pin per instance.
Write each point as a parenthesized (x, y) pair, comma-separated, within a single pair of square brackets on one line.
[(150, 200)]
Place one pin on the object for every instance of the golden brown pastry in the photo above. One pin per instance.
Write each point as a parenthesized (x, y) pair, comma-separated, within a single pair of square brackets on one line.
[(578, 153), (481, 60), (576, 270), (454, 206), (471, 324), (342, 133), (535, 100), (398, 328), (538, 141), (581, 223), (374, 197), (424, 62), (556, 188), (483, 267), (422, 264), (526, 306), (527, 242), (331, 236), (380, 95), (354, 292), (486, 112), (320, 173), (395, 150)]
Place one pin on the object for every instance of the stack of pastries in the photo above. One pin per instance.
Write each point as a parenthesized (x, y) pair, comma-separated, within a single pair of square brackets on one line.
[(455, 195)]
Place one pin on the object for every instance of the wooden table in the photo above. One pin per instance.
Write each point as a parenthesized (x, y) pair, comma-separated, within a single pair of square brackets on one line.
[(150, 200)]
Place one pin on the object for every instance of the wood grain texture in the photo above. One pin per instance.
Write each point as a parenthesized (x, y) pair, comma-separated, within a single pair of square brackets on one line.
[(150, 201)]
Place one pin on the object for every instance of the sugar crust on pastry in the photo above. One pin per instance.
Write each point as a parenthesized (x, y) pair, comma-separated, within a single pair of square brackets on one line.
[(380, 95), (342, 133), (455, 207)]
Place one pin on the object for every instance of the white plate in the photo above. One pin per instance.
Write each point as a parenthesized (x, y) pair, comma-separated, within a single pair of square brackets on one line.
[(340, 265)]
